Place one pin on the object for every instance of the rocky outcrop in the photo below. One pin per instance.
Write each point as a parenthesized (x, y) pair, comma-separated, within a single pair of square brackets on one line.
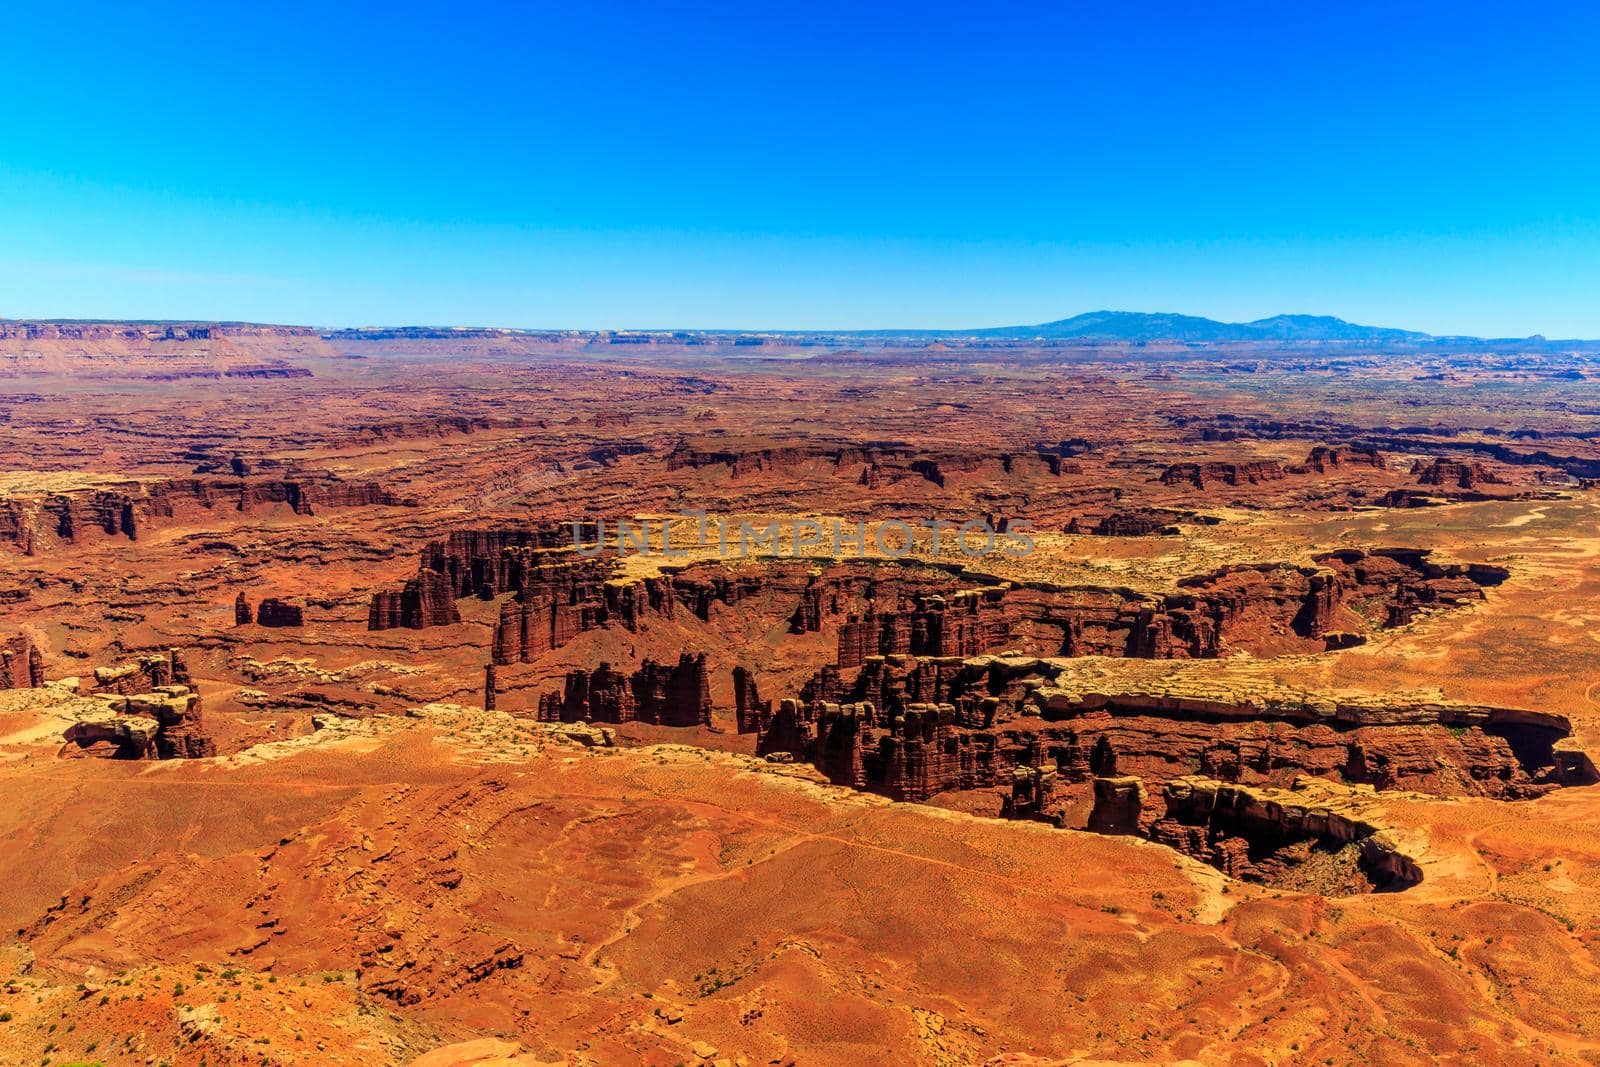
[(561, 594), (69, 517), (911, 754), (1454, 474), (165, 723), (272, 612), (148, 673), (750, 711), (340, 494), (42, 330), (1033, 786), (17, 527), (912, 728), (965, 624), (1281, 836), (426, 600), (1327, 459), (537, 563), (21, 665), (493, 561), (432, 427), (915, 755), (677, 695), (1408, 439), (659, 694), (750, 457), (1268, 737), (1242, 607), (600, 695), (31, 523), (1133, 522), (1206, 475), (870, 465), (925, 611), (275, 612), (1118, 805), (976, 689), (892, 608)]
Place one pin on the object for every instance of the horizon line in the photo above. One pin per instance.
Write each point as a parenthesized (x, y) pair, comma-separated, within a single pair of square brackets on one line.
[(957, 332)]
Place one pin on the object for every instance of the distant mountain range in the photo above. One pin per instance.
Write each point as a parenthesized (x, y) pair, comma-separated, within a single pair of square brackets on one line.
[(1125, 326), (1144, 326)]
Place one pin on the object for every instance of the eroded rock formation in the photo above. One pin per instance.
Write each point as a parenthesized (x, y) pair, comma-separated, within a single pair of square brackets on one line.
[(1311, 838), (871, 466), (912, 728), (426, 600), (1455, 474), (29, 523), (965, 624), (906, 608), (146, 674), (165, 723), (750, 712), (561, 594), (1132, 522), (1205, 475), (659, 694), (21, 665), (1325, 459), (492, 561), (275, 612), (1118, 805), (1236, 607)]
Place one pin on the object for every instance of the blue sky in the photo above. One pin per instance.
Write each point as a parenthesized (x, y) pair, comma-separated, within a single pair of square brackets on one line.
[(1427, 165)]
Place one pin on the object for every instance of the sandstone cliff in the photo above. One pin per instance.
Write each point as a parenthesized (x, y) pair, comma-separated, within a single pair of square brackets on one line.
[(677, 695), (914, 727), (158, 351), (21, 665), (32, 523), (275, 612)]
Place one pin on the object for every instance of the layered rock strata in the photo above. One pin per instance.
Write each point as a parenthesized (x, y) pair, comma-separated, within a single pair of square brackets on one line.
[(1326, 459), (1281, 836), (276, 613), (913, 728), (894, 608), (147, 673), (750, 712), (21, 665), (1206, 475), (659, 694), (426, 600), (1455, 474), (31, 523), (165, 723)]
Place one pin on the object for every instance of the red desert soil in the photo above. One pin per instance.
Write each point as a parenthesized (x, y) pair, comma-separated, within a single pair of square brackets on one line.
[(1277, 748)]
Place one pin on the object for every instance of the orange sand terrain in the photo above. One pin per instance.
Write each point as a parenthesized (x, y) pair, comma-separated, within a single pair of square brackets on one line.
[(324, 743)]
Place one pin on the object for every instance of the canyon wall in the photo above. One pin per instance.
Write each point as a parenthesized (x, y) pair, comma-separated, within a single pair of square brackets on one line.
[(912, 728), (31, 523)]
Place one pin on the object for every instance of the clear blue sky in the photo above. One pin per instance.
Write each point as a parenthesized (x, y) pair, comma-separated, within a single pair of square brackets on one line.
[(760, 164)]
